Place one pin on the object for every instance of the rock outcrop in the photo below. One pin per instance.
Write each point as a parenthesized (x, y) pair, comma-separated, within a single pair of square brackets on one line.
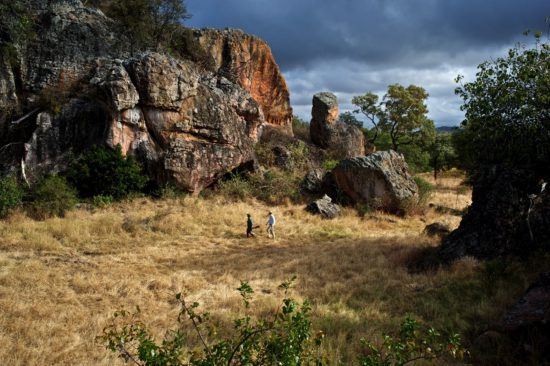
[(532, 309), (324, 207), (313, 181), (380, 180), (327, 132), (509, 215), (524, 330), (437, 229), (76, 86), (247, 61)]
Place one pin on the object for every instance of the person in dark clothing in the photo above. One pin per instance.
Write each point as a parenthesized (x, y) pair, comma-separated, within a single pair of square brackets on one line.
[(249, 226)]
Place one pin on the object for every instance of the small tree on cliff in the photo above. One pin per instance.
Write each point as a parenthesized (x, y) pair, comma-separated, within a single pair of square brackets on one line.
[(16, 27), (148, 24)]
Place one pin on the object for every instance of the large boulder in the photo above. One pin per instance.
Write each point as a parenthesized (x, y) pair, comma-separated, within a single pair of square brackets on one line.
[(324, 207), (380, 180), (313, 181), (509, 215), (76, 85), (327, 132)]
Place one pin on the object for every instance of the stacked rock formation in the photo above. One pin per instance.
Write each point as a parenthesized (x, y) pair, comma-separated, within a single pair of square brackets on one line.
[(329, 133)]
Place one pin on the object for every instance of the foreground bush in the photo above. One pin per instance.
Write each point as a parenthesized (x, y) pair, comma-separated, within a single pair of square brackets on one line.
[(52, 196), (106, 172), (412, 344), (11, 195), (281, 338)]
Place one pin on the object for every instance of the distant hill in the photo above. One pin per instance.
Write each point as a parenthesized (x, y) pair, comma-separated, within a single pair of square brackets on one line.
[(446, 129)]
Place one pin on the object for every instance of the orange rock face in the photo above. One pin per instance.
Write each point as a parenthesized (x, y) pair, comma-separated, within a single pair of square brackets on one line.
[(248, 61)]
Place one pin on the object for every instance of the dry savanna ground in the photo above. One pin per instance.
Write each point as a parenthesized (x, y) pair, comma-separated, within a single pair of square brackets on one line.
[(61, 279)]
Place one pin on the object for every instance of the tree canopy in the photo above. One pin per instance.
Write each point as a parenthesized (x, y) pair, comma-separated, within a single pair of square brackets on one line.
[(399, 122), (442, 153), (15, 27), (148, 24), (350, 119), (508, 110), (402, 114)]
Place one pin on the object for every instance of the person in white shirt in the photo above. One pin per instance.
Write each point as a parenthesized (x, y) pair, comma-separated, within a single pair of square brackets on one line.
[(271, 225)]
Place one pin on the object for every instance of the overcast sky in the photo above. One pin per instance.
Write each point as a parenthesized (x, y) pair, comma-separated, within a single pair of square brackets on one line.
[(350, 47)]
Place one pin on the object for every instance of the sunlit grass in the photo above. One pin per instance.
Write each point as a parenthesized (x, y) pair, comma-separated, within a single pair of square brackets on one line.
[(61, 279)]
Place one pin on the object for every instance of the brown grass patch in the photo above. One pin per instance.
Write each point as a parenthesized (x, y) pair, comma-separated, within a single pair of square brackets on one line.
[(61, 279)]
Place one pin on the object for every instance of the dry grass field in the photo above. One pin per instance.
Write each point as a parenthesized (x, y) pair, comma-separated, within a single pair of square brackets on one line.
[(61, 279)]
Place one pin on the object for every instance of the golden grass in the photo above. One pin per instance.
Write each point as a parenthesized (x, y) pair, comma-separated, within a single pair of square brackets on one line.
[(61, 279)]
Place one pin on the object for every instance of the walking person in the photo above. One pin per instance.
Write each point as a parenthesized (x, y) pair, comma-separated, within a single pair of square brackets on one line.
[(271, 225), (249, 226)]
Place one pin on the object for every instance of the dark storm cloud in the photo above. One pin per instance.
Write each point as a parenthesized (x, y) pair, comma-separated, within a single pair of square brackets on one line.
[(351, 46)]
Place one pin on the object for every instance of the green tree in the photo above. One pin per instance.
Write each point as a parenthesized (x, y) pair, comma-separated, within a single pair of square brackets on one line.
[(16, 27), (106, 172), (11, 195), (401, 114), (51, 196), (282, 338), (350, 119), (404, 116), (300, 128), (508, 111), (148, 24), (369, 106), (442, 153)]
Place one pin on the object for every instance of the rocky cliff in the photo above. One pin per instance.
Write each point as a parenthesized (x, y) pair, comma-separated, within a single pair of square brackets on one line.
[(247, 61), (509, 215), (190, 119)]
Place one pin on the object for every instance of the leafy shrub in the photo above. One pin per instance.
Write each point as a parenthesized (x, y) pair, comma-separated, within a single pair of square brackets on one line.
[(169, 191), (104, 171), (412, 344), (300, 128), (330, 164), (298, 150), (416, 206), (265, 154), (284, 338), (272, 186), (11, 195), (363, 209), (425, 190), (236, 187), (277, 187), (300, 155), (101, 201), (52, 196)]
